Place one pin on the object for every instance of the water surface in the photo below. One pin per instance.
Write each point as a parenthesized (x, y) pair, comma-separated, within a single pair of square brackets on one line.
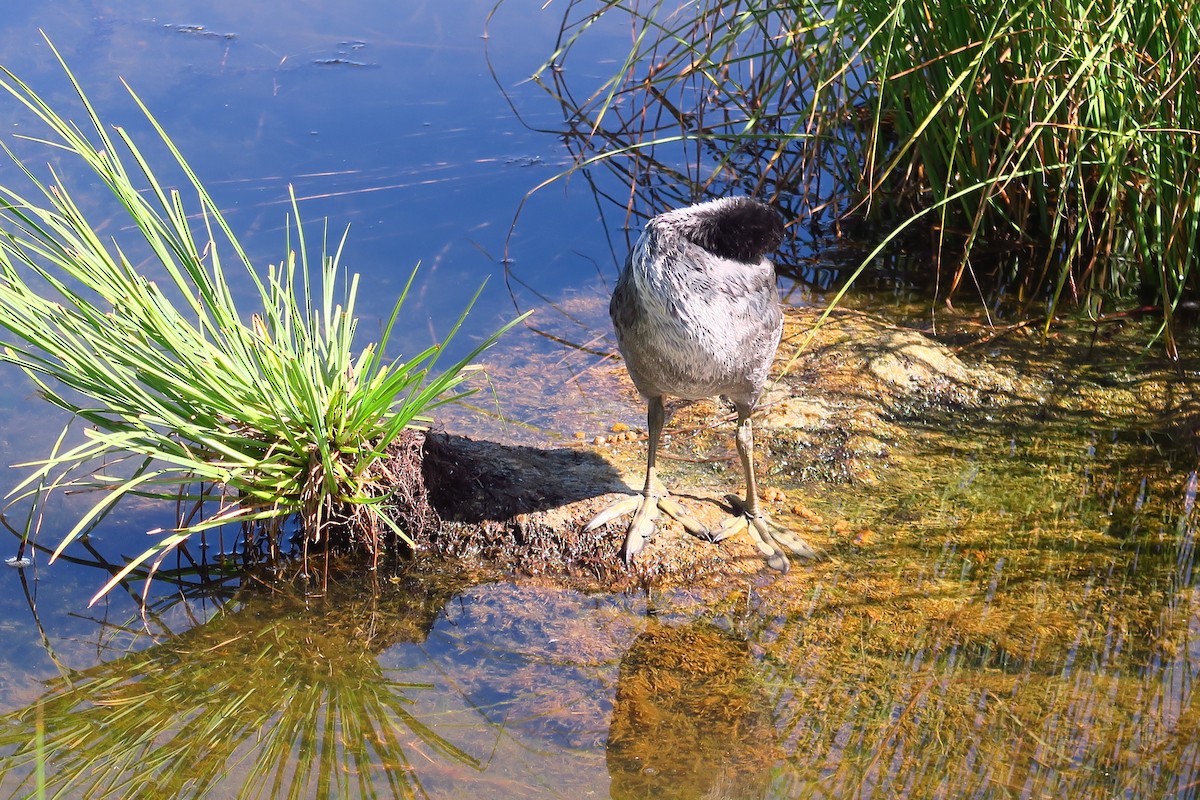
[(1011, 611)]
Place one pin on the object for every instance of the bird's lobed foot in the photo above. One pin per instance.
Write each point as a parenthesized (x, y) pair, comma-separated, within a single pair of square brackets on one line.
[(645, 508), (770, 537)]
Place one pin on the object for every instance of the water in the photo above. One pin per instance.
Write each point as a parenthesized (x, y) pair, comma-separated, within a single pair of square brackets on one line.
[(1012, 608), (385, 120)]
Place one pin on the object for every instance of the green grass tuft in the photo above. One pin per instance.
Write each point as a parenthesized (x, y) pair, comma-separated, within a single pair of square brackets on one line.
[(248, 419)]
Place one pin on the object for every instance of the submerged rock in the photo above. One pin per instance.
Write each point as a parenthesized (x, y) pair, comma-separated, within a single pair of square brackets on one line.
[(833, 412)]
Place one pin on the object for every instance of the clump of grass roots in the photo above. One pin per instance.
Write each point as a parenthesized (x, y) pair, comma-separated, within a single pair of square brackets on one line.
[(245, 419)]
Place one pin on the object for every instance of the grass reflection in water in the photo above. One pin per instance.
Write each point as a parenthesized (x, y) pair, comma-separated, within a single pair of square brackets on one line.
[(280, 698)]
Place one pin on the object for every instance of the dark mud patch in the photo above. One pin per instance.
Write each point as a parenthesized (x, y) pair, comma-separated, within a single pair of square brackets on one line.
[(510, 505)]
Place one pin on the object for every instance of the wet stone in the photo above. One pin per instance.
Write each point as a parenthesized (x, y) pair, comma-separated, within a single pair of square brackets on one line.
[(832, 414)]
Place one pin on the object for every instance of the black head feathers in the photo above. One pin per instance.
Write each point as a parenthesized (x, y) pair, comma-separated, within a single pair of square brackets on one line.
[(736, 228)]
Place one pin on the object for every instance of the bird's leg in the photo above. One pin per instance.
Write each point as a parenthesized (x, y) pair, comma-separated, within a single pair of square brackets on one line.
[(766, 533), (642, 526), (652, 499)]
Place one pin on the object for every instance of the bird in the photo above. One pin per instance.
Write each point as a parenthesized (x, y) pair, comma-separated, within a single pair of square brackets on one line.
[(697, 314)]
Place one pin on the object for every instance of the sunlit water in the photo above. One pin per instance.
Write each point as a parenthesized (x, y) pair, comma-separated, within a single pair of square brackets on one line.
[(1010, 612)]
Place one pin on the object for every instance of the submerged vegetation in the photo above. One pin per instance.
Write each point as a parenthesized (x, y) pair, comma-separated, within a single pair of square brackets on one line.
[(1067, 135), (1011, 613), (245, 419)]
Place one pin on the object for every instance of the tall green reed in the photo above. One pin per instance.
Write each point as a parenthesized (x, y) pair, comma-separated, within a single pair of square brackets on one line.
[(242, 418), (1078, 122), (1069, 131)]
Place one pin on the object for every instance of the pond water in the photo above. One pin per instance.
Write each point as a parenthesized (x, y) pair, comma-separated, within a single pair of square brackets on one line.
[(1011, 611)]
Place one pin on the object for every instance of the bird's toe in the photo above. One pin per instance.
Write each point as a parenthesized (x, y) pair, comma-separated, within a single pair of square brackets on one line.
[(771, 539), (641, 529), (690, 523), (620, 508), (731, 526), (761, 534), (799, 547)]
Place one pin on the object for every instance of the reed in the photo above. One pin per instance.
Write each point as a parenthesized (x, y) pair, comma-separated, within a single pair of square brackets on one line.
[(1076, 125), (249, 417), (1068, 134)]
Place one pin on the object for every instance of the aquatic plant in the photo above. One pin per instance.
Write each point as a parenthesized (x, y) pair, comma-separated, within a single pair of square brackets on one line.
[(1069, 135), (245, 419), (1075, 128)]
